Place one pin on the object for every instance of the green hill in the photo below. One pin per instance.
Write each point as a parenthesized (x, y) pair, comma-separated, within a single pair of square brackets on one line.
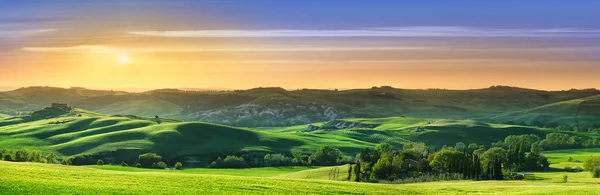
[(83, 132), (271, 107), (582, 112)]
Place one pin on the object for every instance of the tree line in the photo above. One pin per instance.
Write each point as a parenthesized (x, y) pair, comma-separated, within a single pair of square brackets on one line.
[(27, 156)]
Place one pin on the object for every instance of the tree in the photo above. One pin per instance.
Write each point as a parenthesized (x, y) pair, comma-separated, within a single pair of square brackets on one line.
[(495, 153), (51, 158), (178, 166), (536, 148), (161, 165), (147, 159), (21, 156), (382, 168), (100, 162), (299, 155), (357, 173), (445, 160), (349, 172), (383, 147), (498, 170), (460, 147), (327, 155), (596, 172), (591, 163), (472, 147)]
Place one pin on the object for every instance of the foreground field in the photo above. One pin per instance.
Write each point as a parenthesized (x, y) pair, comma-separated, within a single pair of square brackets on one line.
[(34, 178)]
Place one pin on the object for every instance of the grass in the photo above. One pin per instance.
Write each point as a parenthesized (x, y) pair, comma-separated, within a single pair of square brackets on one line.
[(70, 134), (583, 110), (34, 178), (580, 155), (253, 172)]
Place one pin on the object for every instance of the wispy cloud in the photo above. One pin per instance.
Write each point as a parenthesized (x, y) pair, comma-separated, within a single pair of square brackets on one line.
[(110, 49), (413, 31), (24, 33)]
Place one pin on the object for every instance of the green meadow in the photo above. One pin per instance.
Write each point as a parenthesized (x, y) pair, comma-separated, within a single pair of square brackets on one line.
[(36, 178)]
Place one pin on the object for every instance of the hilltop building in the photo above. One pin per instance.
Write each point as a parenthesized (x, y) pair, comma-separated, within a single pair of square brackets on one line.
[(64, 107)]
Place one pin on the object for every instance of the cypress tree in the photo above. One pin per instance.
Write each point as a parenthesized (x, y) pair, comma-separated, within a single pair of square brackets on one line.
[(349, 172), (357, 171), (498, 170)]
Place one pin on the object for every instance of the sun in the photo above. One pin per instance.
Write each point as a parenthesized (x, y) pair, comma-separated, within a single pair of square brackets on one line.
[(123, 59)]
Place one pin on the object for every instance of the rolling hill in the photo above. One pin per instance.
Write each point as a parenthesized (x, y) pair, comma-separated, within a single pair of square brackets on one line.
[(264, 107), (84, 132), (582, 112)]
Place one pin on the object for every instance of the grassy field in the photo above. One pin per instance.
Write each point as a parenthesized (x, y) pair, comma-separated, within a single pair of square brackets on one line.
[(34, 178), (255, 172), (580, 155)]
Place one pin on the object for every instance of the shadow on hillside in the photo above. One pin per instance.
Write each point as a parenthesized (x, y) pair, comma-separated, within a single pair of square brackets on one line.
[(210, 139)]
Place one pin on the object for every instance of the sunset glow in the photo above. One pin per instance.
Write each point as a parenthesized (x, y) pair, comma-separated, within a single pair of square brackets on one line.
[(174, 45)]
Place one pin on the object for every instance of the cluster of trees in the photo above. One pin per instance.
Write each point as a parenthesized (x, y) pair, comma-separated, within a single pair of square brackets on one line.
[(147, 160), (552, 141), (324, 156), (517, 153), (27, 156), (557, 126)]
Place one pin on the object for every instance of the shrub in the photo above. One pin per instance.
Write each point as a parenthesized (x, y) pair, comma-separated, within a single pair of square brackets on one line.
[(148, 159), (596, 172), (138, 165), (161, 165), (51, 159), (9, 157), (592, 162), (123, 163), (565, 178), (21, 156), (229, 162), (178, 166), (276, 160), (100, 162), (66, 161)]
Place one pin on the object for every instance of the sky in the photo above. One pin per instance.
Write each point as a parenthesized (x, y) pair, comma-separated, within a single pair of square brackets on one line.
[(235, 44)]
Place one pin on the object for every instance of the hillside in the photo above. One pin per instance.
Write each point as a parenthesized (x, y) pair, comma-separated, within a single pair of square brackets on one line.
[(279, 107), (582, 112), (83, 132)]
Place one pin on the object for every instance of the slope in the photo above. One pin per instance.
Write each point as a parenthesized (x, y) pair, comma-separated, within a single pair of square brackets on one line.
[(582, 112)]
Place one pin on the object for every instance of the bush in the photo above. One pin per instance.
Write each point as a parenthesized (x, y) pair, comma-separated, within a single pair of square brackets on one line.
[(591, 163), (124, 164), (100, 162), (9, 157), (178, 166), (138, 165), (565, 178), (229, 162), (149, 159), (596, 172), (276, 160), (161, 165)]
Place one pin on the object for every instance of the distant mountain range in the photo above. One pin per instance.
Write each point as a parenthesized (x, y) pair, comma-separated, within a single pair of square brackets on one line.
[(280, 107)]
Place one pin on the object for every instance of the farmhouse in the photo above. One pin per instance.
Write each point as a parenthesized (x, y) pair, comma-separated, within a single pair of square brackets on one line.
[(63, 107)]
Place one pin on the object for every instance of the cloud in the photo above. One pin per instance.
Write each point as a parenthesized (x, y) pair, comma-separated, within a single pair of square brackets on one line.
[(412, 31), (109, 49), (24, 33)]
